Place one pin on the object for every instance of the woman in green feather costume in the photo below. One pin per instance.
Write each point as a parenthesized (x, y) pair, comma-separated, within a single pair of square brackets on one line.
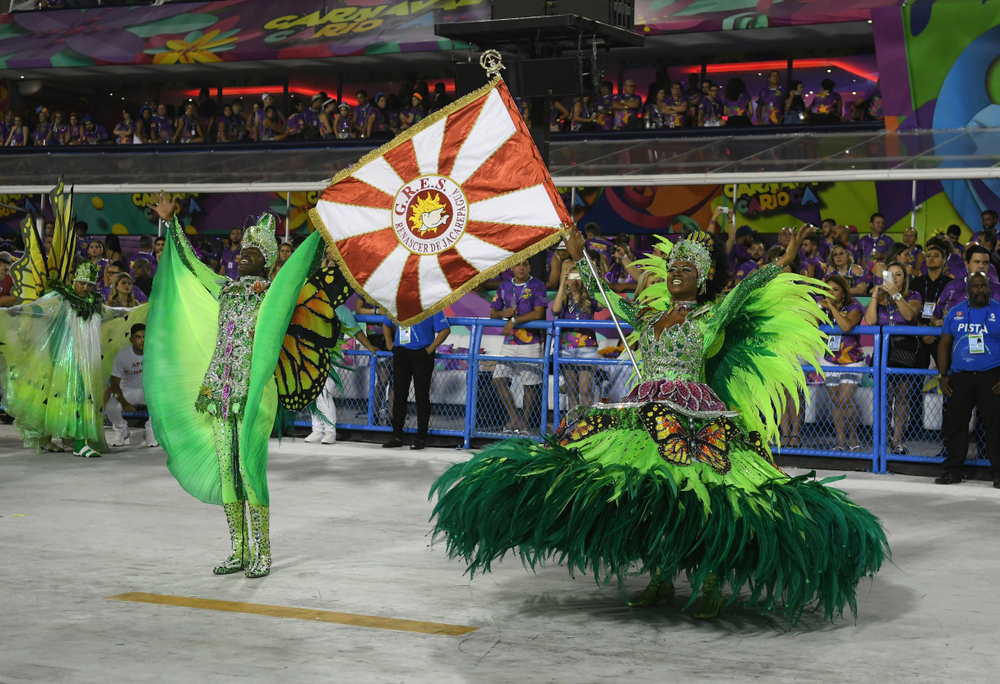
[(678, 477)]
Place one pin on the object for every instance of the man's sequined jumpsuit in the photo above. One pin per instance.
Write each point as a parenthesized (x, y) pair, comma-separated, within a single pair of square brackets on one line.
[(223, 395)]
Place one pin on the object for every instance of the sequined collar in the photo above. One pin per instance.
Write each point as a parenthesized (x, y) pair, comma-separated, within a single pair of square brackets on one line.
[(678, 306)]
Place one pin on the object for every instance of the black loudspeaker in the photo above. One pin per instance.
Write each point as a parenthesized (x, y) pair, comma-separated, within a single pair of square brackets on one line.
[(617, 13), (545, 77)]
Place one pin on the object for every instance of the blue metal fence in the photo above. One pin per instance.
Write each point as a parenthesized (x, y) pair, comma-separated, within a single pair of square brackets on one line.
[(814, 428), (468, 395)]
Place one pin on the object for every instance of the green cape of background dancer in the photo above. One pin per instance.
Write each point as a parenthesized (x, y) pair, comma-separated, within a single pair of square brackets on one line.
[(678, 476), (219, 355)]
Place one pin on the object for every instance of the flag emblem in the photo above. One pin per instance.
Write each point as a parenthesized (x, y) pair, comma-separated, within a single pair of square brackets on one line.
[(446, 205), (429, 214)]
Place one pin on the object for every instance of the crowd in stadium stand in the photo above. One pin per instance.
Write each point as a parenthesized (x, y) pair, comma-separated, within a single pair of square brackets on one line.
[(382, 115)]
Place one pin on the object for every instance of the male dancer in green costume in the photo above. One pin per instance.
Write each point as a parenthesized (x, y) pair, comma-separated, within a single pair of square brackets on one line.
[(213, 405)]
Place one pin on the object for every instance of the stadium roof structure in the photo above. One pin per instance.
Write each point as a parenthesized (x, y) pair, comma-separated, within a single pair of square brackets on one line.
[(963, 154)]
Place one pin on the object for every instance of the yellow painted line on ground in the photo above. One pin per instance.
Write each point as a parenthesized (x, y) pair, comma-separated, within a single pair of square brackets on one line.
[(297, 613)]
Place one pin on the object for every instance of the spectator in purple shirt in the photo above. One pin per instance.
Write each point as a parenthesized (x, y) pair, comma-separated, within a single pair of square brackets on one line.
[(520, 301), (125, 131), (694, 94), (738, 245), (311, 115), (977, 261), (874, 247), (296, 124), (573, 302), (827, 107), (123, 293), (93, 133), (841, 262), (409, 117), (362, 112), (989, 219), (738, 107), (893, 303), (675, 107), (750, 265), (119, 273), (605, 116), (145, 252), (843, 350), (710, 108), (812, 265), (228, 263), (771, 101), (826, 236), (226, 128), (915, 251), (626, 106), (958, 267), (164, 124)]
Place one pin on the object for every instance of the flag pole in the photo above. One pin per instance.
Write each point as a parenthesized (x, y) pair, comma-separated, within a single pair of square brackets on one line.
[(600, 286)]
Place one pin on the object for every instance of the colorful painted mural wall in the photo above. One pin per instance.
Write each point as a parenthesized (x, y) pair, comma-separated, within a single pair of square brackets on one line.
[(953, 55), (768, 207)]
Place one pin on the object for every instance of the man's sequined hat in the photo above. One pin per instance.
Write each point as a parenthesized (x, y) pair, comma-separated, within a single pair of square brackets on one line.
[(696, 248), (86, 272), (261, 236)]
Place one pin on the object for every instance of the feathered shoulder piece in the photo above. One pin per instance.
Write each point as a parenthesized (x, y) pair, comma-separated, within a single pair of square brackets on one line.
[(763, 332)]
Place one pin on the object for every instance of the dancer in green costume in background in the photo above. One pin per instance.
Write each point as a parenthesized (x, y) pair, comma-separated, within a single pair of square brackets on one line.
[(678, 477), (53, 340), (210, 382)]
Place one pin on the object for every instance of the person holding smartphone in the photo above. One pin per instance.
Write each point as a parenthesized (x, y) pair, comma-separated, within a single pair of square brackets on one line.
[(893, 303)]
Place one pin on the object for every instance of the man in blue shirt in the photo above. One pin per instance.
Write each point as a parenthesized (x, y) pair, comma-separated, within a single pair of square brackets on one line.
[(970, 349), (413, 358)]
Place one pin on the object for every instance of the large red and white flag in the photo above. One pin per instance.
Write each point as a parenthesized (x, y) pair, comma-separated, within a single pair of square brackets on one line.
[(452, 202)]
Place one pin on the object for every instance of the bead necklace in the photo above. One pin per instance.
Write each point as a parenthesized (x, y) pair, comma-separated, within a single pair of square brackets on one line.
[(678, 306)]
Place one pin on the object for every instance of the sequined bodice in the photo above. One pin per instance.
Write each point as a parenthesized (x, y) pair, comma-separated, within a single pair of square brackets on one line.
[(677, 355), (227, 381)]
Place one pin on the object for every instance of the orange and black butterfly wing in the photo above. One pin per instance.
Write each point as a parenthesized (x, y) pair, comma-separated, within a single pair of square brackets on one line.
[(756, 442), (668, 432), (711, 444), (585, 427), (305, 359)]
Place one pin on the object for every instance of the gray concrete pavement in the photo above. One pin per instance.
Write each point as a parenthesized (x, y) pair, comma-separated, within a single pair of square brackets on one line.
[(350, 534)]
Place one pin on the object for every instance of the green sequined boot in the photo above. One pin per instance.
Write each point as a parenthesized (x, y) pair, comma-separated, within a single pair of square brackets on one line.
[(657, 590), (711, 599), (236, 518), (260, 556)]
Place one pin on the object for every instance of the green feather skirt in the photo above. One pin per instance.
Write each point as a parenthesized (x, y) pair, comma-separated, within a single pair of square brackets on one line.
[(611, 505)]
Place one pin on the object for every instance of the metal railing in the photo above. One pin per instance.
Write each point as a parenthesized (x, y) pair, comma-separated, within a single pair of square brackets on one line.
[(921, 440), (878, 403), (838, 400)]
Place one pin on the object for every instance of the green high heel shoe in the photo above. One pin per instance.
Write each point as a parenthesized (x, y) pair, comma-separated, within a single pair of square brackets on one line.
[(656, 591), (236, 518), (711, 599)]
